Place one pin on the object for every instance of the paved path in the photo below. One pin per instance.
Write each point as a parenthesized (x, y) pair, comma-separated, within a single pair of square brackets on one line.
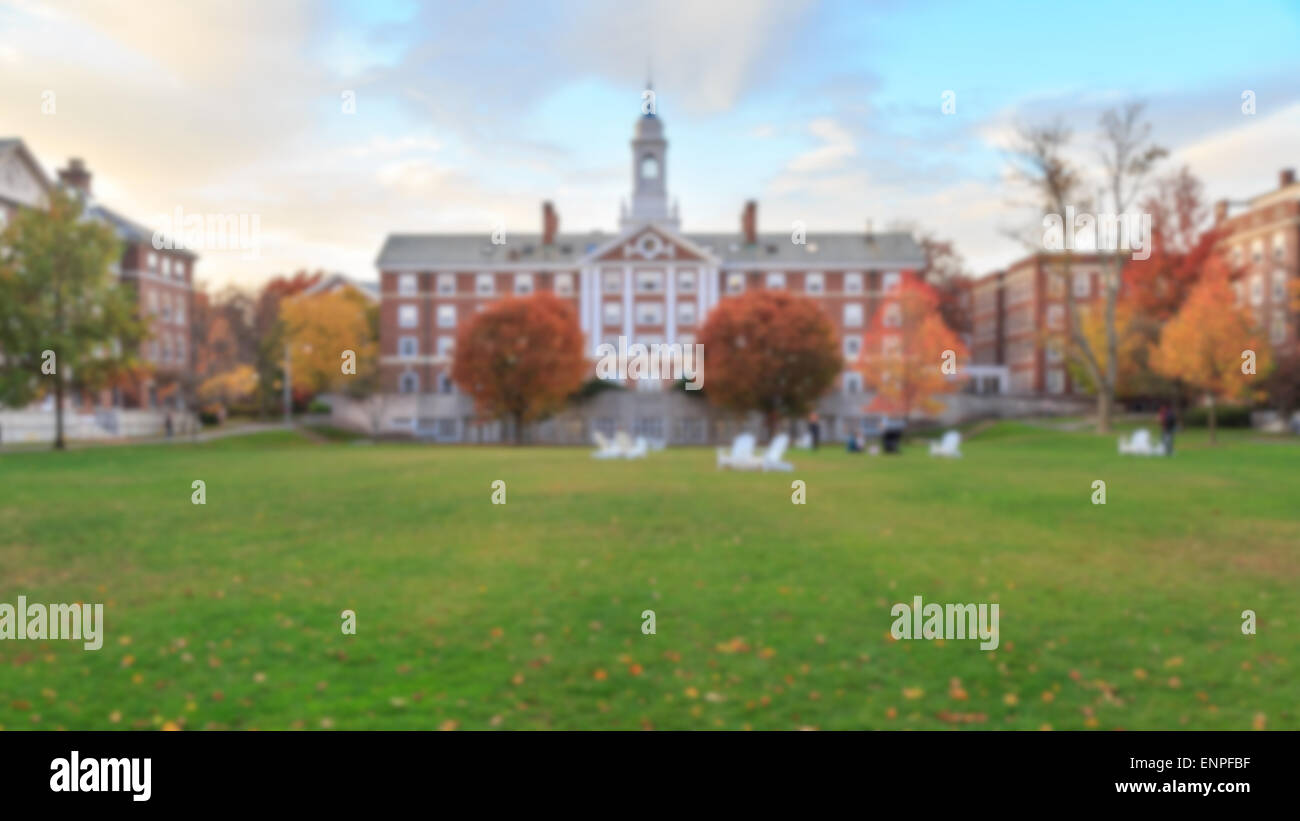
[(179, 439)]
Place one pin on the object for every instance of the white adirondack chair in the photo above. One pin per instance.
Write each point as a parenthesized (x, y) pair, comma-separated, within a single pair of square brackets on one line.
[(775, 450), (741, 451), (1141, 444), (638, 449), (605, 448), (949, 445)]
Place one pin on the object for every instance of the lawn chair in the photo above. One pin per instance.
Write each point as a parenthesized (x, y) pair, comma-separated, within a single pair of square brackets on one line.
[(1141, 444), (949, 445), (605, 448), (772, 459), (741, 452), (638, 449)]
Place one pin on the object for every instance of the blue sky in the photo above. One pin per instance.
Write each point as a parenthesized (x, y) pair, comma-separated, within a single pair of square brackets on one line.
[(470, 113)]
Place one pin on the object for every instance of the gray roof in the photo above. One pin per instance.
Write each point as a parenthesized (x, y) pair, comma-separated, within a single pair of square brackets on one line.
[(127, 230), (368, 288), (417, 250)]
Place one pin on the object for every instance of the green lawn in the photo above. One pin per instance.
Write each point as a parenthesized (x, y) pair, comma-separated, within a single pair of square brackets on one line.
[(769, 615)]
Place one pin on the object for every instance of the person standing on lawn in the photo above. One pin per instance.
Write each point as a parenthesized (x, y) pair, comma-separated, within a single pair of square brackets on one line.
[(1167, 424)]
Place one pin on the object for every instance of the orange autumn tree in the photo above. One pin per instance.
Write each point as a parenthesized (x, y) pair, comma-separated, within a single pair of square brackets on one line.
[(768, 352), (1209, 342), (520, 358), (319, 329), (905, 351)]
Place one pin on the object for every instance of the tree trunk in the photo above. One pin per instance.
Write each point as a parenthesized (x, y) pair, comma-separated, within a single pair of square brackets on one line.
[(1211, 418), (58, 412), (1104, 407)]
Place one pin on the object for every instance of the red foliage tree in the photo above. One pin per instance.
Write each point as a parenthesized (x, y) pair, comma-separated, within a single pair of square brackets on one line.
[(520, 358), (905, 351), (770, 352), (1181, 247)]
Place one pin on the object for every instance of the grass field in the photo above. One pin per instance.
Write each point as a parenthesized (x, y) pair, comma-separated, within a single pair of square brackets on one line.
[(769, 614)]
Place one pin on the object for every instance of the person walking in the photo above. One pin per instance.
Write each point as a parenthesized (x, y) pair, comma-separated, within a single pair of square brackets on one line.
[(814, 430), (1168, 422)]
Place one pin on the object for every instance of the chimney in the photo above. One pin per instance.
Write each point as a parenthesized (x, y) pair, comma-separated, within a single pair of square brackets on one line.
[(1220, 211), (550, 223), (749, 222), (1286, 177), (76, 176)]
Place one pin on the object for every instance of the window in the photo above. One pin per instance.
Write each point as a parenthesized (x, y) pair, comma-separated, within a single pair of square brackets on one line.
[(889, 283), (613, 313), (179, 266), (686, 282), (651, 427), (1257, 251), (166, 308), (1279, 286), (649, 167), (152, 261), (814, 283), (1056, 381), (1055, 316), (1277, 329), (775, 280), (649, 282), (445, 384), (523, 284), (853, 315), (893, 315), (686, 339), (407, 285), (685, 313), (409, 383), (1083, 285), (153, 302), (446, 284), (853, 283), (485, 285), (446, 346), (1279, 246), (180, 311), (735, 283), (408, 316), (1054, 355), (180, 348), (1257, 289), (852, 382), (1236, 255), (852, 347), (564, 284), (166, 267), (408, 346), (649, 313), (613, 282), (446, 316)]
